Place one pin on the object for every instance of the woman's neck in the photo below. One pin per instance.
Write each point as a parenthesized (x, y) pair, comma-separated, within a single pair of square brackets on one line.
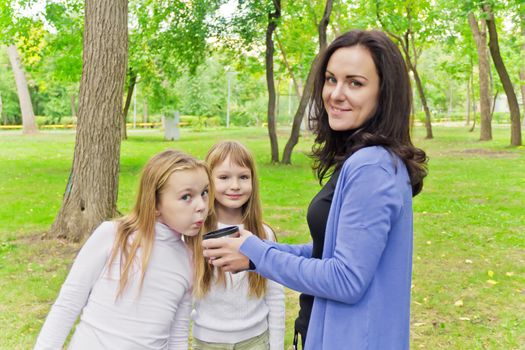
[(229, 216)]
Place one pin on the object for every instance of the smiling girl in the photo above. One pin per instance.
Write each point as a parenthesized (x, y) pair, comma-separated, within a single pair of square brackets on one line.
[(243, 310)]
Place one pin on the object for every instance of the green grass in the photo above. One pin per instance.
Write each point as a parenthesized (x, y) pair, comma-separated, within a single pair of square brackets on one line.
[(469, 255)]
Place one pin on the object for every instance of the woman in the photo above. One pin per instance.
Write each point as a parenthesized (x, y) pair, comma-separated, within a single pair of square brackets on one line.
[(361, 282)]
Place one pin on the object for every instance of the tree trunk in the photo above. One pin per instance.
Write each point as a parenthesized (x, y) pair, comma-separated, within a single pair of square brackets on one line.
[(272, 24), (421, 93), (515, 138), (1, 107), (467, 122), (522, 69), (129, 95), (480, 38), (145, 112), (308, 88), (522, 79), (288, 68), (28, 116), (474, 109), (299, 114), (91, 192), (494, 100)]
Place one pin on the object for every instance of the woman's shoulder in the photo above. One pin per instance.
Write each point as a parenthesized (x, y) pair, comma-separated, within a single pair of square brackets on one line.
[(371, 155)]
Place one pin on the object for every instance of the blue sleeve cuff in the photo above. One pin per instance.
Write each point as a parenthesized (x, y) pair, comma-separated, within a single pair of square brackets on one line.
[(253, 248)]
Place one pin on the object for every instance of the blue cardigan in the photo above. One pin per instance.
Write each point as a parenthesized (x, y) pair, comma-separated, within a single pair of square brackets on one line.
[(362, 284)]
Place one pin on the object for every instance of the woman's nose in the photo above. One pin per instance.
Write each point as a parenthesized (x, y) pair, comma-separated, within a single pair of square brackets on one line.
[(338, 92)]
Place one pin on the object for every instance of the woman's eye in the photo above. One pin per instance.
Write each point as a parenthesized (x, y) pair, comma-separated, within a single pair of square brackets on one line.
[(330, 80), (355, 83)]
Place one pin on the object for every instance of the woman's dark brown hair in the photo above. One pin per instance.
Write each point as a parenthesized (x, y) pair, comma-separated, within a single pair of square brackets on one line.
[(389, 126)]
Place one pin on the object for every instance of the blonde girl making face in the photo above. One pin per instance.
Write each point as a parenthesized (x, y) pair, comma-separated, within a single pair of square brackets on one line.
[(131, 281), (243, 310)]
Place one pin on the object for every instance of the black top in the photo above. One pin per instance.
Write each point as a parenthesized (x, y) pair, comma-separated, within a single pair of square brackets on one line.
[(317, 217)]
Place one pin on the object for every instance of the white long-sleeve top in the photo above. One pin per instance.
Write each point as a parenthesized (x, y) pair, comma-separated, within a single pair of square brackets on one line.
[(228, 314), (155, 317)]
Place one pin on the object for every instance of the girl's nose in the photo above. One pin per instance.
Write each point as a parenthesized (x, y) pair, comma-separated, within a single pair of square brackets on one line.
[(202, 204), (235, 184)]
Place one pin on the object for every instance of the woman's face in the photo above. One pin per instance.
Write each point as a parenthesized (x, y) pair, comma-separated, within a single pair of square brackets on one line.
[(351, 88)]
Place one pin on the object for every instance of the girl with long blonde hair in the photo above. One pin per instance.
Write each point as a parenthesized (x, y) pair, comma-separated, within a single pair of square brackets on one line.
[(243, 310), (132, 280)]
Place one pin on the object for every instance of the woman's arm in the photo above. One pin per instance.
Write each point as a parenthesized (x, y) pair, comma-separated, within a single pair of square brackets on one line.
[(369, 202), (304, 250), (75, 291)]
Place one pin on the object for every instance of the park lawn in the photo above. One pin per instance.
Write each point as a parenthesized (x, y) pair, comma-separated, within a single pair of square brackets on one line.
[(469, 240)]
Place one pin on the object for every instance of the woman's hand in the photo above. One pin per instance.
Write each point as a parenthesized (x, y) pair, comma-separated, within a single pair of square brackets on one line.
[(224, 252)]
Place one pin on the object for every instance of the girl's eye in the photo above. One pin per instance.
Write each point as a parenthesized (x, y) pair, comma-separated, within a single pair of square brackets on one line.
[(245, 177), (186, 197), (222, 177), (205, 193)]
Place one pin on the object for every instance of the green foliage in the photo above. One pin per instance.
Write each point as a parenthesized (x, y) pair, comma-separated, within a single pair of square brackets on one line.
[(164, 40), (181, 51), (199, 122)]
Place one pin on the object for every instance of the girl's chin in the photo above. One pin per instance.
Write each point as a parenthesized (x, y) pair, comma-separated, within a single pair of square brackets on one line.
[(191, 233)]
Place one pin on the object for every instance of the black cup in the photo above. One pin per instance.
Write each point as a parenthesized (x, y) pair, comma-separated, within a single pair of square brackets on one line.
[(226, 231)]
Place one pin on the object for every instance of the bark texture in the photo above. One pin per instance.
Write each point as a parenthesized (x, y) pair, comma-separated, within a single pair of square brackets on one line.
[(91, 192), (515, 126), (273, 17), (480, 38)]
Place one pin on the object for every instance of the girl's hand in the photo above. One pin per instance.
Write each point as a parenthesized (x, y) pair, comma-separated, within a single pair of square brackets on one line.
[(224, 252)]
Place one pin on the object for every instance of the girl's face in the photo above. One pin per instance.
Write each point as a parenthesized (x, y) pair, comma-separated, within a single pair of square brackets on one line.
[(351, 88), (233, 185), (184, 202)]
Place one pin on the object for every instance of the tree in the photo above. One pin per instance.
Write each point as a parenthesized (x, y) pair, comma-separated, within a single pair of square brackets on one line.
[(522, 68), (408, 23), (12, 28), (92, 189), (273, 18), (480, 38), (165, 39), (28, 116), (515, 138), (308, 88)]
